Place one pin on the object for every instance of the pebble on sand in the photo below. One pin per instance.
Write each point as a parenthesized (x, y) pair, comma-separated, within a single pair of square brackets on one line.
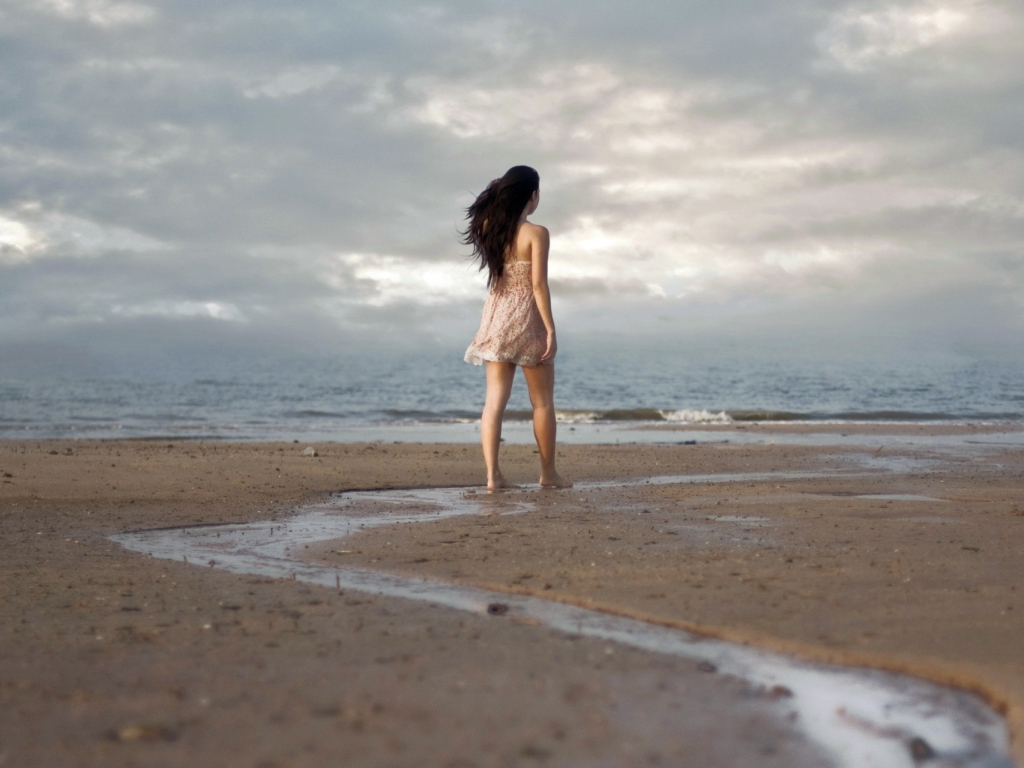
[(144, 732)]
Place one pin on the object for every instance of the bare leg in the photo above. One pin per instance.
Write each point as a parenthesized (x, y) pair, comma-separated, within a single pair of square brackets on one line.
[(541, 381), (499, 387)]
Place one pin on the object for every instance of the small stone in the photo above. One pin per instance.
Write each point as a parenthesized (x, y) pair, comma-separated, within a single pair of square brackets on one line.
[(534, 752), (144, 732), (921, 749), (311, 451), (497, 609), (707, 666)]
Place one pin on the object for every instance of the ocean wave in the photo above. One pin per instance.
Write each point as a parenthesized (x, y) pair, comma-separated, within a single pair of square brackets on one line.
[(315, 414), (576, 417), (159, 418), (772, 416), (687, 416), (589, 416), (432, 417)]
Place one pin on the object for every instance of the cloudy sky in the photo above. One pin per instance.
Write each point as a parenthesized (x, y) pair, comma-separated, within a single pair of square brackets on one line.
[(781, 174)]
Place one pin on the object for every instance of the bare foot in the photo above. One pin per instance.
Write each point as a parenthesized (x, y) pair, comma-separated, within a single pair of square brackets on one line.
[(554, 480), (499, 483)]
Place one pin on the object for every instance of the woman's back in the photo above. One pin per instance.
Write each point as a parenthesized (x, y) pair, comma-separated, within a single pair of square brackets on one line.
[(522, 246)]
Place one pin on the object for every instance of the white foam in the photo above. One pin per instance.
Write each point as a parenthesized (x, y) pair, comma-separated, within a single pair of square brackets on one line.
[(686, 416)]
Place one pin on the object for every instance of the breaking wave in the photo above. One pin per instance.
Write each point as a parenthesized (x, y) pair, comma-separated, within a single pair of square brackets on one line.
[(712, 417), (686, 416), (587, 416)]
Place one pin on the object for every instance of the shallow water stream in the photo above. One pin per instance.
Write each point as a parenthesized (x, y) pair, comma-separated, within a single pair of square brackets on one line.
[(859, 717)]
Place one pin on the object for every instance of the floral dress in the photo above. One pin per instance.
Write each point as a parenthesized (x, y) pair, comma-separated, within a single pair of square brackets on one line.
[(511, 329)]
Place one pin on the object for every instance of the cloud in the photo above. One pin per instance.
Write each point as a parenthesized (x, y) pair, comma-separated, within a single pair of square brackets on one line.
[(863, 36), (293, 82), (537, 108), (102, 13), (272, 165), (16, 240), (385, 280), (30, 233), (212, 309), (857, 38)]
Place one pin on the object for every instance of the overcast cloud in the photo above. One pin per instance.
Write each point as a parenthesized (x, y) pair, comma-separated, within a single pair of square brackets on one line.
[(786, 173)]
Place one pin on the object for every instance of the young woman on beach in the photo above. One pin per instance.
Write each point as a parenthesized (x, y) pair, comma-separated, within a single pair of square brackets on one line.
[(517, 327)]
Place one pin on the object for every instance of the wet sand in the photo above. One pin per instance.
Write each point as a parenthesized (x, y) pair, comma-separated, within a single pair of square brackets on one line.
[(112, 658), (843, 429)]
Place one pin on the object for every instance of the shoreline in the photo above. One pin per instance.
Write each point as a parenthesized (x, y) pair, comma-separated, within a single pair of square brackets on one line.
[(80, 497), (575, 431)]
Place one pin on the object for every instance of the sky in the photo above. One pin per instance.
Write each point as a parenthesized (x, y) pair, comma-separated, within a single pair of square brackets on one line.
[(792, 177)]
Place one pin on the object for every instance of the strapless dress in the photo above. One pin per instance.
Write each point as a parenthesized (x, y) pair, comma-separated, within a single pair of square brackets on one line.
[(511, 328)]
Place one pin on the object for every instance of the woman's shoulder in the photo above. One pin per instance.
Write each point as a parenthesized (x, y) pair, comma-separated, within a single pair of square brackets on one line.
[(532, 230)]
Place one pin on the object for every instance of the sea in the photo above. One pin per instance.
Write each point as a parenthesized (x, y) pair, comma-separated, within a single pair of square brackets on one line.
[(432, 396)]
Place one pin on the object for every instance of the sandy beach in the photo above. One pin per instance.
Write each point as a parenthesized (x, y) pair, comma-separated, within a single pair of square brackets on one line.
[(899, 557)]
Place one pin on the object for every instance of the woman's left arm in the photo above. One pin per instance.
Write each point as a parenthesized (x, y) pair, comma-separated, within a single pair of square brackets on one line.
[(540, 245)]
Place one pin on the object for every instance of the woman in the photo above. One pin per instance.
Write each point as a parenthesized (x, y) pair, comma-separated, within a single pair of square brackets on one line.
[(517, 327)]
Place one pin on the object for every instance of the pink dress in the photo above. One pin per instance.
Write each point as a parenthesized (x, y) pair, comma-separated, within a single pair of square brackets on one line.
[(511, 329)]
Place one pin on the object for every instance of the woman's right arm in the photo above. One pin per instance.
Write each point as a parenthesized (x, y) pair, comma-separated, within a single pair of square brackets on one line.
[(540, 244)]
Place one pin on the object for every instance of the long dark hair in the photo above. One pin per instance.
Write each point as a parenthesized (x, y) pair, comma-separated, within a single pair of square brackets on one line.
[(494, 218)]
